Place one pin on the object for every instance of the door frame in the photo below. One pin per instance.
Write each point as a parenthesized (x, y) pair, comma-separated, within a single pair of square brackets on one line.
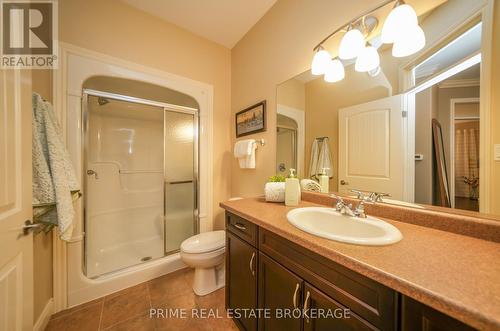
[(76, 64), (453, 102), (465, 18), (298, 115)]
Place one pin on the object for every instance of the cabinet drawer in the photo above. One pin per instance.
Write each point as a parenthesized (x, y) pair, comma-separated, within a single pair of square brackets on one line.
[(366, 298), (244, 229)]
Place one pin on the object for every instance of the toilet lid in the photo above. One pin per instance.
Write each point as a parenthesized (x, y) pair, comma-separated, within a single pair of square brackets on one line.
[(204, 242)]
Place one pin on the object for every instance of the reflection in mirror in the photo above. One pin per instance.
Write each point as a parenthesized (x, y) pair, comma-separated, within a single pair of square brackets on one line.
[(379, 128)]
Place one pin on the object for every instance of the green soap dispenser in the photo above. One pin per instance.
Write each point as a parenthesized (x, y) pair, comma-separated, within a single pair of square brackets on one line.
[(292, 189)]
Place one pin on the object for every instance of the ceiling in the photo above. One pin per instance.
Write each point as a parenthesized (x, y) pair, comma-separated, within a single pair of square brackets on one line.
[(222, 21)]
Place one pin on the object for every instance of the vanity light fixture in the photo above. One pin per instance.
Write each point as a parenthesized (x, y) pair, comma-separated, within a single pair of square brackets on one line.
[(400, 28), (367, 60), (335, 71), (320, 61), (401, 19), (409, 43), (351, 44)]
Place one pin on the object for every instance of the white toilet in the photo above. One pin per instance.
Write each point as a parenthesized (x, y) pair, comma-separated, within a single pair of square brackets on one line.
[(205, 253)]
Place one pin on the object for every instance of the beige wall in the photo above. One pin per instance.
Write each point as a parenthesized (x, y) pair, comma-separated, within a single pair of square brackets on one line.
[(495, 113), (291, 93), (42, 242), (425, 108), (114, 28)]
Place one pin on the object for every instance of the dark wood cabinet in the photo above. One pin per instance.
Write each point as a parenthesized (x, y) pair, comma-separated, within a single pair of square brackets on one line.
[(279, 292), (419, 317), (241, 279), (322, 313), (301, 289)]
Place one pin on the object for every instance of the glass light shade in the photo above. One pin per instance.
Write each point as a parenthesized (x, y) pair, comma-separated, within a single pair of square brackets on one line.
[(320, 62), (351, 44), (400, 20), (410, 43), (367, 60), (334, 71)]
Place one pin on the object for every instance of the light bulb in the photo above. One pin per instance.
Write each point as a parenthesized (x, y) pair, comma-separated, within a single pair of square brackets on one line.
[(400, 20), (410, 43), (351, 44), (334, 71), (320, 62), (367, 60)]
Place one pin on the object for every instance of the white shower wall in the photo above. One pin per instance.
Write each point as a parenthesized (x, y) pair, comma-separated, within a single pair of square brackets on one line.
[(124, 206)]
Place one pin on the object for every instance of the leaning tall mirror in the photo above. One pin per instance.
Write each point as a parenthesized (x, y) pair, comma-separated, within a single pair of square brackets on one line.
[(373, 130)]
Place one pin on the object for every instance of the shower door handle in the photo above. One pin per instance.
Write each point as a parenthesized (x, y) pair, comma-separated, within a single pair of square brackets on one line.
[(179, 182)]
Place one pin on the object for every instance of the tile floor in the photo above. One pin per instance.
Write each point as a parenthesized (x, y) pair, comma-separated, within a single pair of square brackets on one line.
[(129, 309)]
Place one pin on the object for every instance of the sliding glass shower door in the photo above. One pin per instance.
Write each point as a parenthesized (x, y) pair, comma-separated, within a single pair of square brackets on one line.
[(140, 168)]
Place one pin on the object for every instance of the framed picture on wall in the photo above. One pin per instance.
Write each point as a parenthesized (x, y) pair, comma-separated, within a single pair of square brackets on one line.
[(251, 120)]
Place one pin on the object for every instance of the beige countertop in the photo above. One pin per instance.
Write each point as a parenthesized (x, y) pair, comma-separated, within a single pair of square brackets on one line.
[(455, 274)]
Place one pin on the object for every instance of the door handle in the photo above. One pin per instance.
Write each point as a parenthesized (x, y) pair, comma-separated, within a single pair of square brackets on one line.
[(29, 226), (343, 182), (251, 264), (295, 296), (306, 303)]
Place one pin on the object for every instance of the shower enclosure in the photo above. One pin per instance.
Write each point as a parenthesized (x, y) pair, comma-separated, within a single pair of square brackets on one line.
[(286, 144), (140, 167)]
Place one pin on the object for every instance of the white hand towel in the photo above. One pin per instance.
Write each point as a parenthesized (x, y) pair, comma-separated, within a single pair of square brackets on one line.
[(244, 151), (313, 165), (325, 159)]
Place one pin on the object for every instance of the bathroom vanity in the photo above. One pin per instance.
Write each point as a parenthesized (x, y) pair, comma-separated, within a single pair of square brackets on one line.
[(271, 265)]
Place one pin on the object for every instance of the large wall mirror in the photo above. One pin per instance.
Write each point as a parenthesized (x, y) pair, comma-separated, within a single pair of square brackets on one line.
[(410, 128)]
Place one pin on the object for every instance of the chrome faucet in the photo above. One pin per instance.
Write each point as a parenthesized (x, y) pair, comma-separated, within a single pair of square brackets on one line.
[(346, 209)]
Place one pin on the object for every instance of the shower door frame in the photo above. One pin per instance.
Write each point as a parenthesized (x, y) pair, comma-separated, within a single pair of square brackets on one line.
[(86, 93)]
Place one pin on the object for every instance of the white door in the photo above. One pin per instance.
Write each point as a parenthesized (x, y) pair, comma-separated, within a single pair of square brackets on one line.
[(16, 249), (372, 147)]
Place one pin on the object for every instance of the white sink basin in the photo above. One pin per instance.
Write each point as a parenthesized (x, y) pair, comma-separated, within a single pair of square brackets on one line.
[(330, 224)]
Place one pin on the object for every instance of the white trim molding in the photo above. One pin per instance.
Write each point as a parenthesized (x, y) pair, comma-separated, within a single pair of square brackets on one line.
[(43, 320), (453, 83), (77, 64), (299, 116)]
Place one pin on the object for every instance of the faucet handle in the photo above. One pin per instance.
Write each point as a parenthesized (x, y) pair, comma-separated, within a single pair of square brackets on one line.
[(359, 194), (377, 196), (339, 198)]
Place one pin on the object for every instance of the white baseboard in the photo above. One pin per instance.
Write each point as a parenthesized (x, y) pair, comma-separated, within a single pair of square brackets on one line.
[(43, 319)]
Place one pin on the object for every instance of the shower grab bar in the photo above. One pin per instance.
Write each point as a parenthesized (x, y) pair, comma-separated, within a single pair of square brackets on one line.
[(179, 182), (140, 171)]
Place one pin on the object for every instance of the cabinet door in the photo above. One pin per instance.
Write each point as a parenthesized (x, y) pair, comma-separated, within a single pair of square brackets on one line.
[(419, 317), (322, 313), (280, 292), (241, 279)]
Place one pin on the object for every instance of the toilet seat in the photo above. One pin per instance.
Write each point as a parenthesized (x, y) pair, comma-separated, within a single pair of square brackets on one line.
[(204, 242)]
